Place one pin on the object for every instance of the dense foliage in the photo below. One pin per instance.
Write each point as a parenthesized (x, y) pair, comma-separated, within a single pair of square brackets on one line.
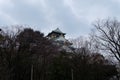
[(31, 56)]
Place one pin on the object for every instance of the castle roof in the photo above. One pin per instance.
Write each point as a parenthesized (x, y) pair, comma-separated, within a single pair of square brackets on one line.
[(58, 31)]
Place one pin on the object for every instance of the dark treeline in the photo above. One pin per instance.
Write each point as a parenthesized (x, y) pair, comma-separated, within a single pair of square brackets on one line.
[(28, 55)]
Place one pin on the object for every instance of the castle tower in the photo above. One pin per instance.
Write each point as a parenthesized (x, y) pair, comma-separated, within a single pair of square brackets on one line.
[(59, 39), (56, 34)]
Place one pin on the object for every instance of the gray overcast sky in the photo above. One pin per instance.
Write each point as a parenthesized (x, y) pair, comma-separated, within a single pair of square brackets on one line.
[(74, 17)]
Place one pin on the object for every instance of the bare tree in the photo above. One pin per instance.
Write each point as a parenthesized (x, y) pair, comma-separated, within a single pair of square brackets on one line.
[(90, 43), (79, 42), (108, 34)]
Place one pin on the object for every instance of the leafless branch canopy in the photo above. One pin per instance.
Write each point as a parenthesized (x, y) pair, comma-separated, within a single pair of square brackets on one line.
[(109, 35)]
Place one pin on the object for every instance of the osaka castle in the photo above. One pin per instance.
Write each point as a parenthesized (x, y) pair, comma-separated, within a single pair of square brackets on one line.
[(58, 38)]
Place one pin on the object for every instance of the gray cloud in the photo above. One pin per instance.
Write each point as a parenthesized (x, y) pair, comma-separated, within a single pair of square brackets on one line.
[(72, 16)]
